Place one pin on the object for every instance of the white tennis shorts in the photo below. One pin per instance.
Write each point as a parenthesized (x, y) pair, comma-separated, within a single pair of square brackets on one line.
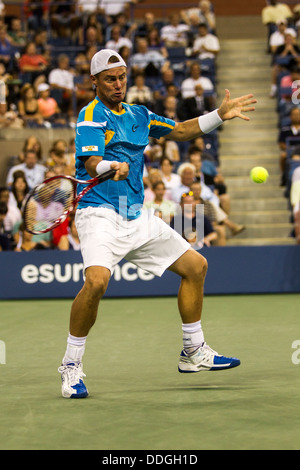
[(148, 242)]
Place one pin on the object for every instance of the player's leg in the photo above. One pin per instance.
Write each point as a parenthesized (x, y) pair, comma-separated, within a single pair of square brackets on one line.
[(83, 315), (196, 354), (191, 267), (85, 306), (161, 248)]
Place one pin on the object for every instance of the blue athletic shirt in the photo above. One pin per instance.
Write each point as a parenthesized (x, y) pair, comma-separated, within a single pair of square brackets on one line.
[(120, 137)]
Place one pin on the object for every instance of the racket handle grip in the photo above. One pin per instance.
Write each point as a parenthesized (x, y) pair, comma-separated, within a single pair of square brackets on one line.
[(106, 175)]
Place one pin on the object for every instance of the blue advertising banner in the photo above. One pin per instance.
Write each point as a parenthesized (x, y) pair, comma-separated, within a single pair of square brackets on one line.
[(231, 270)]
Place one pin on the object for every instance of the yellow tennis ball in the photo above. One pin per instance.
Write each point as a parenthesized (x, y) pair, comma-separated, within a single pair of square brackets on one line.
[(259, 174)]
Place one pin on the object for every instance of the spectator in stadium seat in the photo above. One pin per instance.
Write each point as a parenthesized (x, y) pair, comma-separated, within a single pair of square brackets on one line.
[(140, 93), (28, 107), (11, 120), (187, 173), (64, 19), (206, 45), (169, 177), (292, 130), (163, 147), (207, 11), (113, 8), (196, 105), (153, 176), (89, 8), (8, 117), (151, 62), (295, 202), (81, 65), (175, 33), (277, 38), (5, 237), (170, 108), (155, 42), (13, 215), (125, 53), (194, 78), (19, 190), (296, 17), (61, 81), (69, 240), (40, 39), (36, 14), (70, 158), (290, 53), (221, 218), (117, 41), (275, 11), (31, 143), (48, 107), (167, 78), (159, 103), (34, 171), (202, 14), (6, 49), (287, 82), (211, 212), (194, 227), (2, 10), (33, 64), (207, 173), (159, 202), (17, 36), (205, 154), (56, 158), (146, 25), (190, 172), (93, 36), (25, 241), (91, 33)]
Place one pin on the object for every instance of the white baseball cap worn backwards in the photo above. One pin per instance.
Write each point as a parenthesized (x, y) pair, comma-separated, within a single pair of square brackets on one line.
[(100, 61)]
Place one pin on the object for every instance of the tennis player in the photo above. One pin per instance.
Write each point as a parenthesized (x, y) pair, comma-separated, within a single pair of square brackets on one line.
[(111, 134)]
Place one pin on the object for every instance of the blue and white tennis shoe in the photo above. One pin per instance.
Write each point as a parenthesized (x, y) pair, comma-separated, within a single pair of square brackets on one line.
[(72, 380), (205, 358)]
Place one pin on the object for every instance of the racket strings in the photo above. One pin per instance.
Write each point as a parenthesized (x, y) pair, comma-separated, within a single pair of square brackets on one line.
[(48, 204)]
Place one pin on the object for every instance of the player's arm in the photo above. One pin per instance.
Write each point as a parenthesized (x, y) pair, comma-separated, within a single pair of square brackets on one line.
[(95, 165), (229, 109)]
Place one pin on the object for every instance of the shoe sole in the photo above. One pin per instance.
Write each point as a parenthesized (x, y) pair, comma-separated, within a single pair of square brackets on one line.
[(209, 369), (76, 395), (81, 395)]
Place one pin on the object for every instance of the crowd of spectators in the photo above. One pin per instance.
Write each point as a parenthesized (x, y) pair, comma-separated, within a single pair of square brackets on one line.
[(283, 34), (172, 69)]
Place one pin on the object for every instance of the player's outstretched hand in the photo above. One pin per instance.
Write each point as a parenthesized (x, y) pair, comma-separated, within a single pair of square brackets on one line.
[(230, 109), (122, 170)]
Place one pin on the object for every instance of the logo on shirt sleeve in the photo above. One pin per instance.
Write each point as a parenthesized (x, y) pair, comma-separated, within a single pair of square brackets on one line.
[(90, 148)]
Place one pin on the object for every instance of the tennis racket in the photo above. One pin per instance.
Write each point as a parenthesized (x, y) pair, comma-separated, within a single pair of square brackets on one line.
[(50, 203)]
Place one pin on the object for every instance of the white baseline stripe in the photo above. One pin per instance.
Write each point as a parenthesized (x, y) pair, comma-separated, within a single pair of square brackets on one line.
[(91, 124)]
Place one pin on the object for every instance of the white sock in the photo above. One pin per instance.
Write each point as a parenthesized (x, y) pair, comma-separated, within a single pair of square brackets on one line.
[(193, 336), (75, 349)]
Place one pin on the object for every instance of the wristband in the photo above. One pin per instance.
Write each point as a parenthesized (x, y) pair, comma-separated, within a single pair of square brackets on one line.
[(210, 121), (103, 167)]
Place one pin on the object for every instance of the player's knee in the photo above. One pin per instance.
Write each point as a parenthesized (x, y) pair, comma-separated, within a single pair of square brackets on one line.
[(96, 284), (202, 267), (198, 268)]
